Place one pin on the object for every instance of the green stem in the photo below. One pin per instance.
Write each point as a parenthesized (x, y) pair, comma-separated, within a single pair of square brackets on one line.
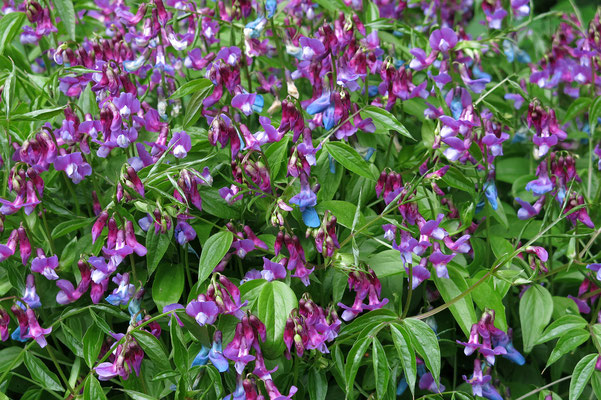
[(410, 293), (73, 195), (47, 230), (59, 369)]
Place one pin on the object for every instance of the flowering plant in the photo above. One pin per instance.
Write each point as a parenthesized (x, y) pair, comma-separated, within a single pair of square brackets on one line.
[(299, 199)]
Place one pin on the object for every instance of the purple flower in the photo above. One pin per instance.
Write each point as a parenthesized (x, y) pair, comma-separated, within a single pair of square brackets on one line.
[(184, 232), (272, 270), (595, 268), (443, 39), (306, 200), (477, 380), (528, 211), (74, 166), (439, 262), (248, 103), (311, 48), (230, 55), (426, 382), (123, 293), (127, 104), (181, 143), (45, 266), (204, 312), (30, 296)]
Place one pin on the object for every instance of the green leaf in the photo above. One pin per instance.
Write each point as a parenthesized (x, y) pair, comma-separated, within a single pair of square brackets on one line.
[(275, 153), (156, 245), (10, 26), (562, 325), (152, 348), (500, 246), (317, 384), (194, 107), (381, 368), (273, 308), (213, 252), (342, 210), (593, 113), (581, 375), (596, 384), (576, 108), (66, 227), (353, 361), (180, 353), (8, 90), (536, 307), (8, 355), (168, 284), (402, 343), (510, 169), (92, 389), (566, 343), (67, 13), (38, 115), (384, 121), (40, 373), (137, 395), (462, 310), (485, 297), (195, 85), (92, 342), (426, 344), (350, 159)]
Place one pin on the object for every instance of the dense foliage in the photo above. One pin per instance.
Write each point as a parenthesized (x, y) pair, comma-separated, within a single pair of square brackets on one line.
[(303, 199)]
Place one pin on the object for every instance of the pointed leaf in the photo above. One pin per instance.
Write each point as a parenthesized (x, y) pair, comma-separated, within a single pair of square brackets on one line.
[(156, 246), (350, 159), (381, 368), (92, 342), (567, 343), (215, 248), (273, 308), (402, 343), (582, 373), (40, 373), (536, 307), (425, 342), (384, 121)]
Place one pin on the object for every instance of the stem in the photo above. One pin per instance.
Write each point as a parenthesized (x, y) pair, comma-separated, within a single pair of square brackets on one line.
[(535, 391), (48, 235), (72, 191), (410, 293), (133, 267), (59, 369), (187, 266)]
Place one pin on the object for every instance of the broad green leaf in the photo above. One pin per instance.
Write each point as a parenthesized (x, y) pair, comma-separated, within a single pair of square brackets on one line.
[(317, 384), (8, 90), (486, 297), (500, 246), (40, 373), (273, 308), (561, 326), (213, 252), (594, 113), (8, 355), (510, 169), (69, 226), (581, 375), (276, 153), (425, 342), (384, 121), (353, 361), (196, 85), (350, 159), (381, 368), (156, 245), (576, 108), (402, 343), (342, 210), (168, 284), (360, 323), (449, 288), (566, 343), (92, 389), (92, 342), (536, 307), (596, 384), (152, 348), (10, 26), (385, 263), (67, 13)]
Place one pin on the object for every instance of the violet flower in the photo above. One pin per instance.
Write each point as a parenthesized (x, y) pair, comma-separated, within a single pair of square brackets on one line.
[(306, 200), (204, 312), (123, 292), (45, 266), (30, 295), (181, 143), (74, 166), (35, 330)]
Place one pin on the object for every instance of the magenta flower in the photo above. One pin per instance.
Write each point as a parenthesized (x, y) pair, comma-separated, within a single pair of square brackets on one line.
[(35, 330)]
